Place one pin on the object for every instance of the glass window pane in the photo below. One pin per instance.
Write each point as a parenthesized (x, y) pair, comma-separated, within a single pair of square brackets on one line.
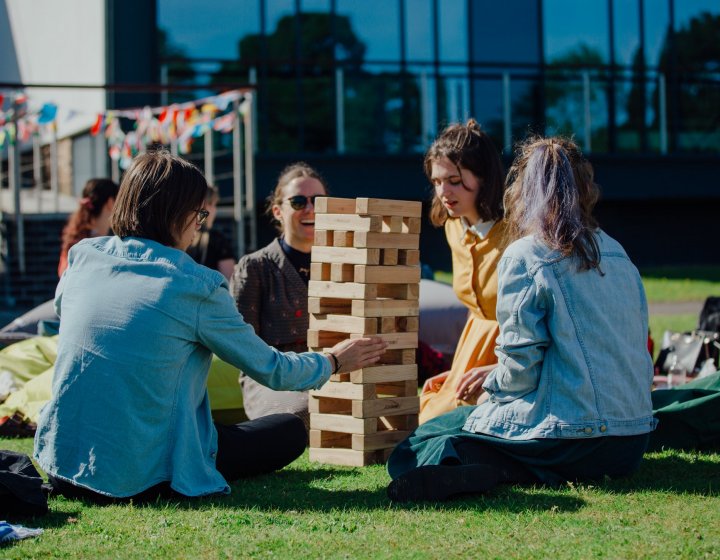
[(377, 25), (576, 32), (657, 20), (626, 19), (196, 33), (277, 10), (505, 31), (453, 25), (419, 30), (487, 100), (322, 6)]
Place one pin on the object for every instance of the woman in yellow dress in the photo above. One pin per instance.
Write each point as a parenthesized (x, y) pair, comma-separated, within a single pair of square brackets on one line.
[(467, 175)]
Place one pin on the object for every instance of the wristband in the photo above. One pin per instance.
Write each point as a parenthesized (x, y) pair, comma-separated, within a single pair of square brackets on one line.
[(335, 361)]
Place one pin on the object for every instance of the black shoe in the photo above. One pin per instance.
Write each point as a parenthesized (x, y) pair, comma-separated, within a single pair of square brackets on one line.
[(440, 482)]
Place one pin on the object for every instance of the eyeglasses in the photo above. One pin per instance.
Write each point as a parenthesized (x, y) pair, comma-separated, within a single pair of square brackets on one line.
[(202, 215), (299, 201)]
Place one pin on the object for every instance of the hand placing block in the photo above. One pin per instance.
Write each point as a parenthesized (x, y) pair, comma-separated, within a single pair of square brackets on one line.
[(364, 281)]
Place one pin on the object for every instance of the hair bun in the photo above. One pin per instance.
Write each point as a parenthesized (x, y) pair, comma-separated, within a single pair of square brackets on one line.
[(473, 125)]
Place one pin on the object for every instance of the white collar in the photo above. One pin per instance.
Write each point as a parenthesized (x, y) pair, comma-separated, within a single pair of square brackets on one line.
[(480, 229)]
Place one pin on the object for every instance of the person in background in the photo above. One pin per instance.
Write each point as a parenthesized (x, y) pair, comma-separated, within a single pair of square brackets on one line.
[(270, 286), (467, 175), (570, 396), (129, 415), (91, 219), (210, 247)]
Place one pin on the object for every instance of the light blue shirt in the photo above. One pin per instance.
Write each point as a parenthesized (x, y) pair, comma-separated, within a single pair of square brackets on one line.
[(572, 351), (130, 406)]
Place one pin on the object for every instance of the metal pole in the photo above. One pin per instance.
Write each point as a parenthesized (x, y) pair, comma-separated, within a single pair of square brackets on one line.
[(662, 110), (586, 112), (249, 119), (115, 170), (238, 206), (14, 174), (453, 103), (507, 114), (340, 110), (54, 178), (164, 82), (37, 171), (424, 108), (209, 167), (253, 79)]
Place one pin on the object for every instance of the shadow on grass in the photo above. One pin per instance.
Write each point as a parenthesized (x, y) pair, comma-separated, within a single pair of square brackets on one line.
[(708, 273)]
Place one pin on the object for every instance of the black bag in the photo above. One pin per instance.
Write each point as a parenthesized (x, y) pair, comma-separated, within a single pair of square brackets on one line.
[(691, 348), (710, 315), (21, 487)]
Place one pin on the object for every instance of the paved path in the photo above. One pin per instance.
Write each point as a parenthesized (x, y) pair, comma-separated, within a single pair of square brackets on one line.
[(676, 308)]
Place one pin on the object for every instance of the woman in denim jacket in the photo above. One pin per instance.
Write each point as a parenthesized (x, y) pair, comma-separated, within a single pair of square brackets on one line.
[(130, 413), (570, 396)]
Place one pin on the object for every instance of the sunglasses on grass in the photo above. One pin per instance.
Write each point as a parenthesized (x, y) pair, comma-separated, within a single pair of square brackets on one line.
[(299, 201)]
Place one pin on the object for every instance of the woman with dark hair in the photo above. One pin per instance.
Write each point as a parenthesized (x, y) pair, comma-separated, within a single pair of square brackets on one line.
[(270, 286), (210, 247), (467, 175), (91, 219), (130, 415), (570, 396)]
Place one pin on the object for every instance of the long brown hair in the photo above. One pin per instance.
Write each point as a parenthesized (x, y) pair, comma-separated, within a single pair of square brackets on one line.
[(551, 194), (469, 147), (292, 171), (95, 195)]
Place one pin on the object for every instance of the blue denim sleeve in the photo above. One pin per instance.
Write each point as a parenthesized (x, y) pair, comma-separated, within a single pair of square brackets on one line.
[(521, 313), (222, 329)]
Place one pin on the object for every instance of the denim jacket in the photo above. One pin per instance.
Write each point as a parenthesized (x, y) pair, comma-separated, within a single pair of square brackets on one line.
[(129, 405), (572, 350)]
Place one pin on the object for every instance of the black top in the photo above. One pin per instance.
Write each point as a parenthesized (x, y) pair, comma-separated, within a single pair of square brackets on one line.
[(300, 260), (211, 247)]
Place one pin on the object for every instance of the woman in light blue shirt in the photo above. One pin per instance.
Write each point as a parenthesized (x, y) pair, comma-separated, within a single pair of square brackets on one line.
[(130, 416), (570, 396)]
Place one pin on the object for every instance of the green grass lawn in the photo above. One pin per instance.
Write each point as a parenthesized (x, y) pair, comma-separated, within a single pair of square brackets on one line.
[(669, 509)]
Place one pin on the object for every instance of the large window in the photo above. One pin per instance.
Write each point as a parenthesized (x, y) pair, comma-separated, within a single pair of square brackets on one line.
[(576, 32)]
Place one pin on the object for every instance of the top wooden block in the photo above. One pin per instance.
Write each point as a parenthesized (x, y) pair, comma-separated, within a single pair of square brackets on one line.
[(368, 207)]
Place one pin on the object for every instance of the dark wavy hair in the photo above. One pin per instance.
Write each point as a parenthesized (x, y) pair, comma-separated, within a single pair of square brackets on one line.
[(551, 194), (469, 147), (157, 194), (292, 171), (95, 195)]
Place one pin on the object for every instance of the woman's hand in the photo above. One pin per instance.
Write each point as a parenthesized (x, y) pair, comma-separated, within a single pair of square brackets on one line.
[(434, 383), (357, 353), (470, 387)]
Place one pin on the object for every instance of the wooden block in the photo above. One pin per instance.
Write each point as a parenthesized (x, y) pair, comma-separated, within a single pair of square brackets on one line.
[(401, 422), (397, 357), (324, 238), (408, 324), (342, 238), (342, 290), (317, 338), (324, 405), (319, 438), (334, 205), (346, 255), (397, 291), (389, 257), (411, 226), (377, 374), (407, 388), (391, 224), (349, 222), (383, 307), (338, 377), (409, 257), (387, 324), (385, 407), (380, 440), (352, 391), (320, 271), (343, 324), (340, 272), (394, 340), (348, 457), (343, 423), (373, 239), (330, 305), (386, 207), (387, 274)]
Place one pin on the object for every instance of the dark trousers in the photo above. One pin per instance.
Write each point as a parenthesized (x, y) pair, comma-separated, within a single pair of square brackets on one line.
[(251, 448)]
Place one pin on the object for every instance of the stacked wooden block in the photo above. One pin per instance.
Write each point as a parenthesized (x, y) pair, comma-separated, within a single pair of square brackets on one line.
[(364, 280)]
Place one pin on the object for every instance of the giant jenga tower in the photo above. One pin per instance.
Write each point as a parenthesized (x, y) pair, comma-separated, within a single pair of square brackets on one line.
[(364, 280)]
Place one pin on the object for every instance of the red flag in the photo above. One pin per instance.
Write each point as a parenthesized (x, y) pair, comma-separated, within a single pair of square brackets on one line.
[(163, 115), (95, 130)]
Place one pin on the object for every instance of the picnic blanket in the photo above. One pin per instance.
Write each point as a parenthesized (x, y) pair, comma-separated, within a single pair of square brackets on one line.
[(31, 364), (689, 415)]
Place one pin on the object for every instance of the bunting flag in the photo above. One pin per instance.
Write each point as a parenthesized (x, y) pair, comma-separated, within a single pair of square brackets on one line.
[(97, 127), (2, 138)]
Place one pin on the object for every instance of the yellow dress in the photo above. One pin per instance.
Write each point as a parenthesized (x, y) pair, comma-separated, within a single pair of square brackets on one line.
[(475, 284)]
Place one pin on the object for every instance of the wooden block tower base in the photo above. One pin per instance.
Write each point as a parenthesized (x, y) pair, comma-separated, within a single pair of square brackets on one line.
[(365, 280)]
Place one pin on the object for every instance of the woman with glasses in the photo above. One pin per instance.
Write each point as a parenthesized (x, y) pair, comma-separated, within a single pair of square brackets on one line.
[(570, 396), (130, 414), (467, 176), (270, 286)]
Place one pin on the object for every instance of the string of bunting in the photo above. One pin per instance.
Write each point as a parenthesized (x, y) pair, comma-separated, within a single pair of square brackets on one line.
[(181, 123)]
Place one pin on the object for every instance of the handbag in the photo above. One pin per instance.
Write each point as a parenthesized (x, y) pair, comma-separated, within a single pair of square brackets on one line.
[(690, 349)]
